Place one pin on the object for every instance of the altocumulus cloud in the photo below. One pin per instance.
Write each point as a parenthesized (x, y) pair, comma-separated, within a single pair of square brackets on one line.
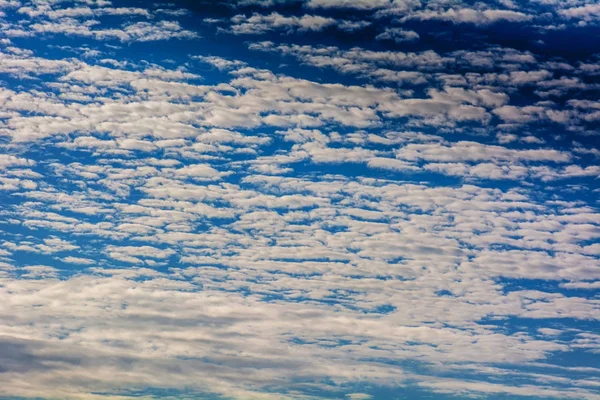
[(299, 199)]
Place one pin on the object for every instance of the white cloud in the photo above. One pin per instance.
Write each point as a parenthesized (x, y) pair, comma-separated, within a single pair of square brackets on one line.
[(398, 35), (587, 12), (39, 272), (78, 260), (467, 15), (360, 4), (475, 151), (258, 24), (200, 171)]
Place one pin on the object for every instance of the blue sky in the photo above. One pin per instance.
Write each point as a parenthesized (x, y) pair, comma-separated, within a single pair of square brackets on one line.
[(299, 199)]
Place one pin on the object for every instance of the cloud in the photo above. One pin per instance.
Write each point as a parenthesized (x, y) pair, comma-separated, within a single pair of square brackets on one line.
[(80, 21), (78, 260), (39, 272), (467, 15), (359, 396), (258, 24), (301, 217), (162, 310), (220, 63), (587, 12), (474, 151), (199, 171), (398, 35), (361, 4)]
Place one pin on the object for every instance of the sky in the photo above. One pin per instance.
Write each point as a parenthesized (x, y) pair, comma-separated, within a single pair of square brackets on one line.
[(300, 199)]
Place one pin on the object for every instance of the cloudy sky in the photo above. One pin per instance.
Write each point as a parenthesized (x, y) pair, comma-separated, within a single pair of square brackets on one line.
[(300, 199)]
